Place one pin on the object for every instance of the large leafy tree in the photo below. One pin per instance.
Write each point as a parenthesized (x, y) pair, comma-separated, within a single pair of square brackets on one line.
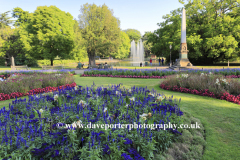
[(10, 43), (79, 51), (46, 33), (124, 48), (100, 29), (212, 31), (5, 19), (133, 34), (147, 46)]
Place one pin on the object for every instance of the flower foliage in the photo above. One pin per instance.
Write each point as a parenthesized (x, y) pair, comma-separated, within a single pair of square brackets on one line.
[(161, 74), (34, 129), (18, 85)]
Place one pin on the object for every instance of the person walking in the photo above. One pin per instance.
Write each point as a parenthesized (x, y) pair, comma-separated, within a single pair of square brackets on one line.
[(151, 61), (159, 60), (162, 61)]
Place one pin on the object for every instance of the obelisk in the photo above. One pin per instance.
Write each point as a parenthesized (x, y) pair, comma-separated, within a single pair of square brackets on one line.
[(183, 58)]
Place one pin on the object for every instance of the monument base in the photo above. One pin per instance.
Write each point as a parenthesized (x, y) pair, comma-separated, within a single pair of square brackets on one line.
[(184, 62)]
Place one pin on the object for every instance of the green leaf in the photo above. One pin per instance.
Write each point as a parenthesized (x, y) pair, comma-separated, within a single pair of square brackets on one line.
[(127, 100), (35, 113)]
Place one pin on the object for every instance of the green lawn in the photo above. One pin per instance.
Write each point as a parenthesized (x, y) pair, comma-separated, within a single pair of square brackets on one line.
[(220, 118)]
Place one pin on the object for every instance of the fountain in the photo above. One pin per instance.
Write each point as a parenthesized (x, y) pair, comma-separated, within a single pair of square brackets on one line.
[(137, 53)]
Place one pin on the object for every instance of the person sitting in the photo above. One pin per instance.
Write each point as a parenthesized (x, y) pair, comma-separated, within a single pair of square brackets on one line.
[(106, 65)]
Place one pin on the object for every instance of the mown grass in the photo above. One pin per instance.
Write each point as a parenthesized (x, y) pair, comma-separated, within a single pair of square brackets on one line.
[(219, 117)]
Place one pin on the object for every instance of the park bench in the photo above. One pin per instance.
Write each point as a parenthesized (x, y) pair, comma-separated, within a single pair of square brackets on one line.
[(24, 67), (52, 67)]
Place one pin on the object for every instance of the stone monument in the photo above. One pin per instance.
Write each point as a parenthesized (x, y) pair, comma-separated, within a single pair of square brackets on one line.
[(183, 58)]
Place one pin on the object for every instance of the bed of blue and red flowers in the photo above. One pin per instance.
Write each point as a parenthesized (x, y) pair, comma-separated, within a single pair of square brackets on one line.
[(36, 129), (155, 73)]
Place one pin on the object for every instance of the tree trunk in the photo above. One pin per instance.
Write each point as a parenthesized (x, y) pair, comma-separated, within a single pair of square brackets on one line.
[(51, 62), (91, 56)]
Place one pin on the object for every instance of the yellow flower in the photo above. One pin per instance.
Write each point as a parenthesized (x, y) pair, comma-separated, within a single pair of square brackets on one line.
[(149, 114)]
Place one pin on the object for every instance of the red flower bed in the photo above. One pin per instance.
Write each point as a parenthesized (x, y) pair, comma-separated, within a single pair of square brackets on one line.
[(123, 76), (33, 91), (223, 96)]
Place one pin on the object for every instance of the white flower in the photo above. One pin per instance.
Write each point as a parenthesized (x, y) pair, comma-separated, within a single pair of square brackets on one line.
[(40, 110), (185, 75), (1, 79), (105, 109), (151, 94), (130, 91), (217, 81), (126, 105), (55, 97), (132, 99), (144, 115), (159, 98), (144, 118), (75, 88), (118, 93), (83, 103), (177, 76), (202, 74), (57, 74)]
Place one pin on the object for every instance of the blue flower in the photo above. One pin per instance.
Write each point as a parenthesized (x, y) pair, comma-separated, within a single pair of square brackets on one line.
[(106, 149), (126, 157)]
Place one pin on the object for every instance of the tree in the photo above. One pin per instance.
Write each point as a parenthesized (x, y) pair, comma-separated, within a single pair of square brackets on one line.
[(79, 52), (147, 45), (212, 31), (133, 34), (10, 44), (124, 48), (100, 29), (46, 33), (5, 20)]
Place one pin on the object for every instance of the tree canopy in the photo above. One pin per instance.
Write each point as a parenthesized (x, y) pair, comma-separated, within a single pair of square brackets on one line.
[(100, 29), (5, 20), (212, 31), (147, 45), (46, 33), (79, 51), (124, 48), (133, 34)]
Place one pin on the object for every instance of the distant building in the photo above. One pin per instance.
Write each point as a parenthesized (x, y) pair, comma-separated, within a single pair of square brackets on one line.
[(153, 56)]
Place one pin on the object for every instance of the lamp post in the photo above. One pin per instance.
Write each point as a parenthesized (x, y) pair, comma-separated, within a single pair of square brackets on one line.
[(170, 55)]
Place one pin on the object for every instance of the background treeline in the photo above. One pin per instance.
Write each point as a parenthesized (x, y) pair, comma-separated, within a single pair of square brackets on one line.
[(213, 32), (48, 33)]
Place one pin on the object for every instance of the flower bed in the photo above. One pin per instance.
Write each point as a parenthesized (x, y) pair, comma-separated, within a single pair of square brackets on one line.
[(123, 76), (33, 91), (152, 73), (35, 129), (22, 84), (126, 72), (194, 84)]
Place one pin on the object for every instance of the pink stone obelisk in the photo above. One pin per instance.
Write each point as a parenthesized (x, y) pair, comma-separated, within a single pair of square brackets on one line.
[(183, 58)]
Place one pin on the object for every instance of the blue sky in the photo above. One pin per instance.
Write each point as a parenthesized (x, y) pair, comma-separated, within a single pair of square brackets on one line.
[(142, 15)]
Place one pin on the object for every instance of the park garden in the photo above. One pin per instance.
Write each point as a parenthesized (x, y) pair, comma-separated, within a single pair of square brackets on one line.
[(123, 113)]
